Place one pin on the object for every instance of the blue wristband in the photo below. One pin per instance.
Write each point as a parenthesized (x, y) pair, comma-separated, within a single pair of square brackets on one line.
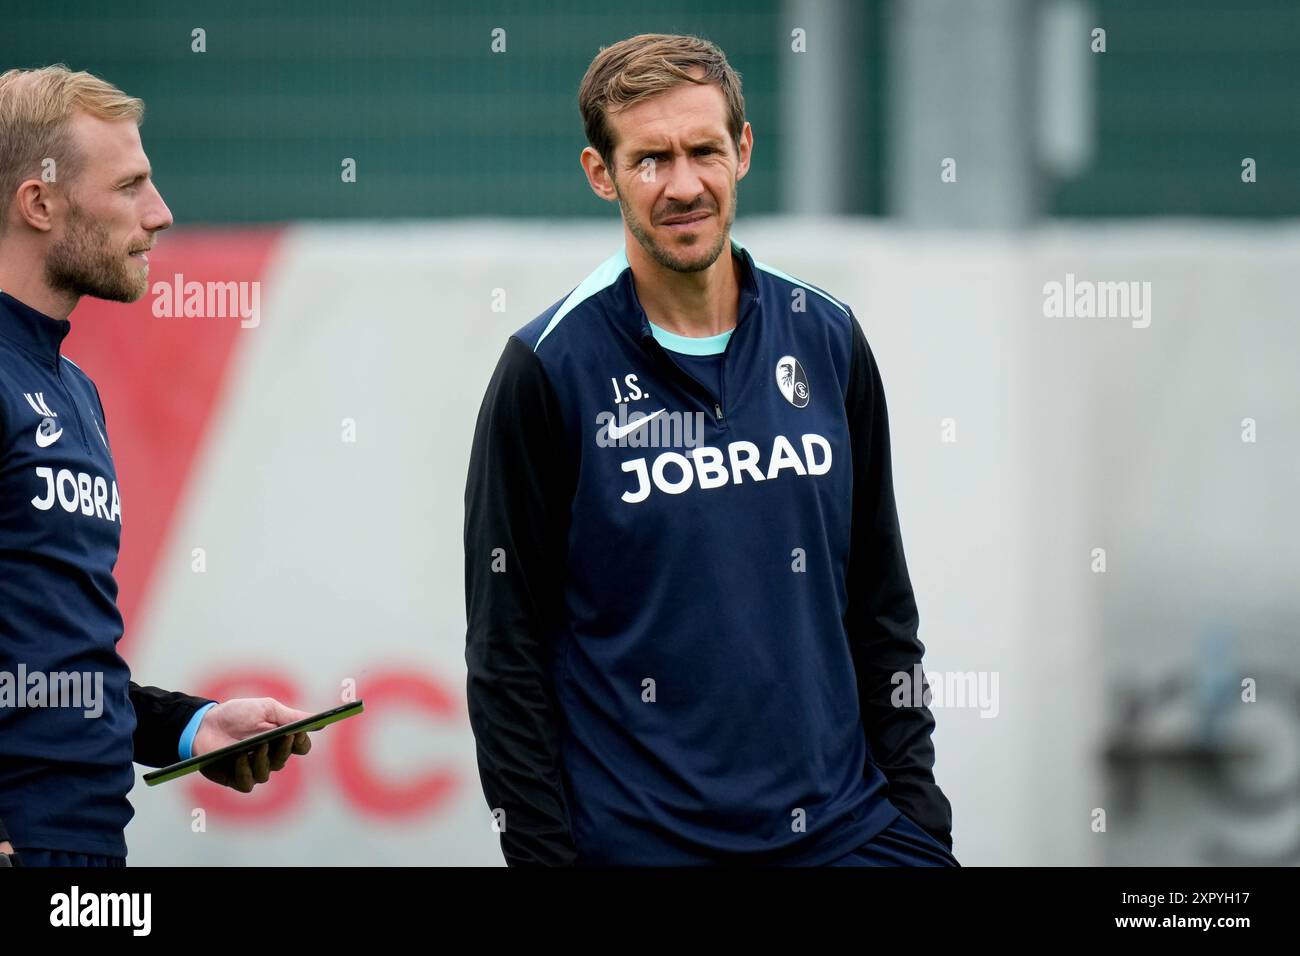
[(186, 748)]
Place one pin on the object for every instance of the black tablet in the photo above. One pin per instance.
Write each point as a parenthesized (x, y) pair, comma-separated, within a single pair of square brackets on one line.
[(315, 722)]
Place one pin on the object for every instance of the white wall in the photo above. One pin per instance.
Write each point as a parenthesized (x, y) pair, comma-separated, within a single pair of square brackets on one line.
[(329, 560)]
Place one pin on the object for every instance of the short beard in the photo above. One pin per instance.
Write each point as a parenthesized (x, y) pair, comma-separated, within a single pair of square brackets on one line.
[(84, 263), (664, 256)]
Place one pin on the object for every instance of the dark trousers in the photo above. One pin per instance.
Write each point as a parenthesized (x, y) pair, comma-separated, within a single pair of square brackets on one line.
[(902, 843)]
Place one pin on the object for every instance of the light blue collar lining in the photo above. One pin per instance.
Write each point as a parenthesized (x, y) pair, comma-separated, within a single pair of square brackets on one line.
[(684, 345)]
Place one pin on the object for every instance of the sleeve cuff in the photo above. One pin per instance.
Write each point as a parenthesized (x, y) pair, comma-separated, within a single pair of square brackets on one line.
[(186, 748)]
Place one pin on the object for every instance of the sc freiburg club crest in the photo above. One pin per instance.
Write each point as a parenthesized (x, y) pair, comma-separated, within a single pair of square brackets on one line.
[(792, 381)]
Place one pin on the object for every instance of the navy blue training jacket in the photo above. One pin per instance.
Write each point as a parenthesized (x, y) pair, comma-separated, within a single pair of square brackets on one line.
[(65, 770), (687, 595)]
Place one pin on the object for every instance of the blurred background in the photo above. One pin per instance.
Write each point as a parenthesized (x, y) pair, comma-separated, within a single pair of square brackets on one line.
[(1097, 498)]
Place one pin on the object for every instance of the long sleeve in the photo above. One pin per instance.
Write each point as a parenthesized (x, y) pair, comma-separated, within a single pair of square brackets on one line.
[(4, 833), (517, 499), (160, 719), (882, 618)]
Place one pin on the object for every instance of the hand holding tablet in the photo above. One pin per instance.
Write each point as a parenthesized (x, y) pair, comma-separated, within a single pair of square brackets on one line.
[(223, 765)]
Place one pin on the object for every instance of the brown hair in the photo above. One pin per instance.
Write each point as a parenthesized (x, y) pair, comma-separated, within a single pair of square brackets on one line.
[(647, 65), (35, 107)]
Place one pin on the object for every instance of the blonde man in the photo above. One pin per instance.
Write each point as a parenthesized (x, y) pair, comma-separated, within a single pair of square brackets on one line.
[(78, 214), (685, 583)]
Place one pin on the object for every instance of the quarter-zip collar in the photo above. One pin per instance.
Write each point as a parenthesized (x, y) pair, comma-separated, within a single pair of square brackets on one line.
[(32, 331), (746, 306)]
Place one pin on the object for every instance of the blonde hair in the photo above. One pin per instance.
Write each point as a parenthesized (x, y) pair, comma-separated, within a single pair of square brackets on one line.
[(35, 108), (647, 65)]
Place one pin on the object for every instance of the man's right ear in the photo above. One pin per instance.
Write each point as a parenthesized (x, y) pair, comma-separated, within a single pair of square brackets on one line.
[(598, 174), (33, 202)]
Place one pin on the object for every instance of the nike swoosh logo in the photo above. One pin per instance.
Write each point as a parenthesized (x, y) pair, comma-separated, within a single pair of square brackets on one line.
[(45, 441), (616, 433)]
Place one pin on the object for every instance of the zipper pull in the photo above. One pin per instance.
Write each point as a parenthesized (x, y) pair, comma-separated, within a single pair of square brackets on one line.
[(717, 411)]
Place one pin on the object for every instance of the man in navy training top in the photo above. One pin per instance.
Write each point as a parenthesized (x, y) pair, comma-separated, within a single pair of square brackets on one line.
[(78, 212), (689, 614)]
